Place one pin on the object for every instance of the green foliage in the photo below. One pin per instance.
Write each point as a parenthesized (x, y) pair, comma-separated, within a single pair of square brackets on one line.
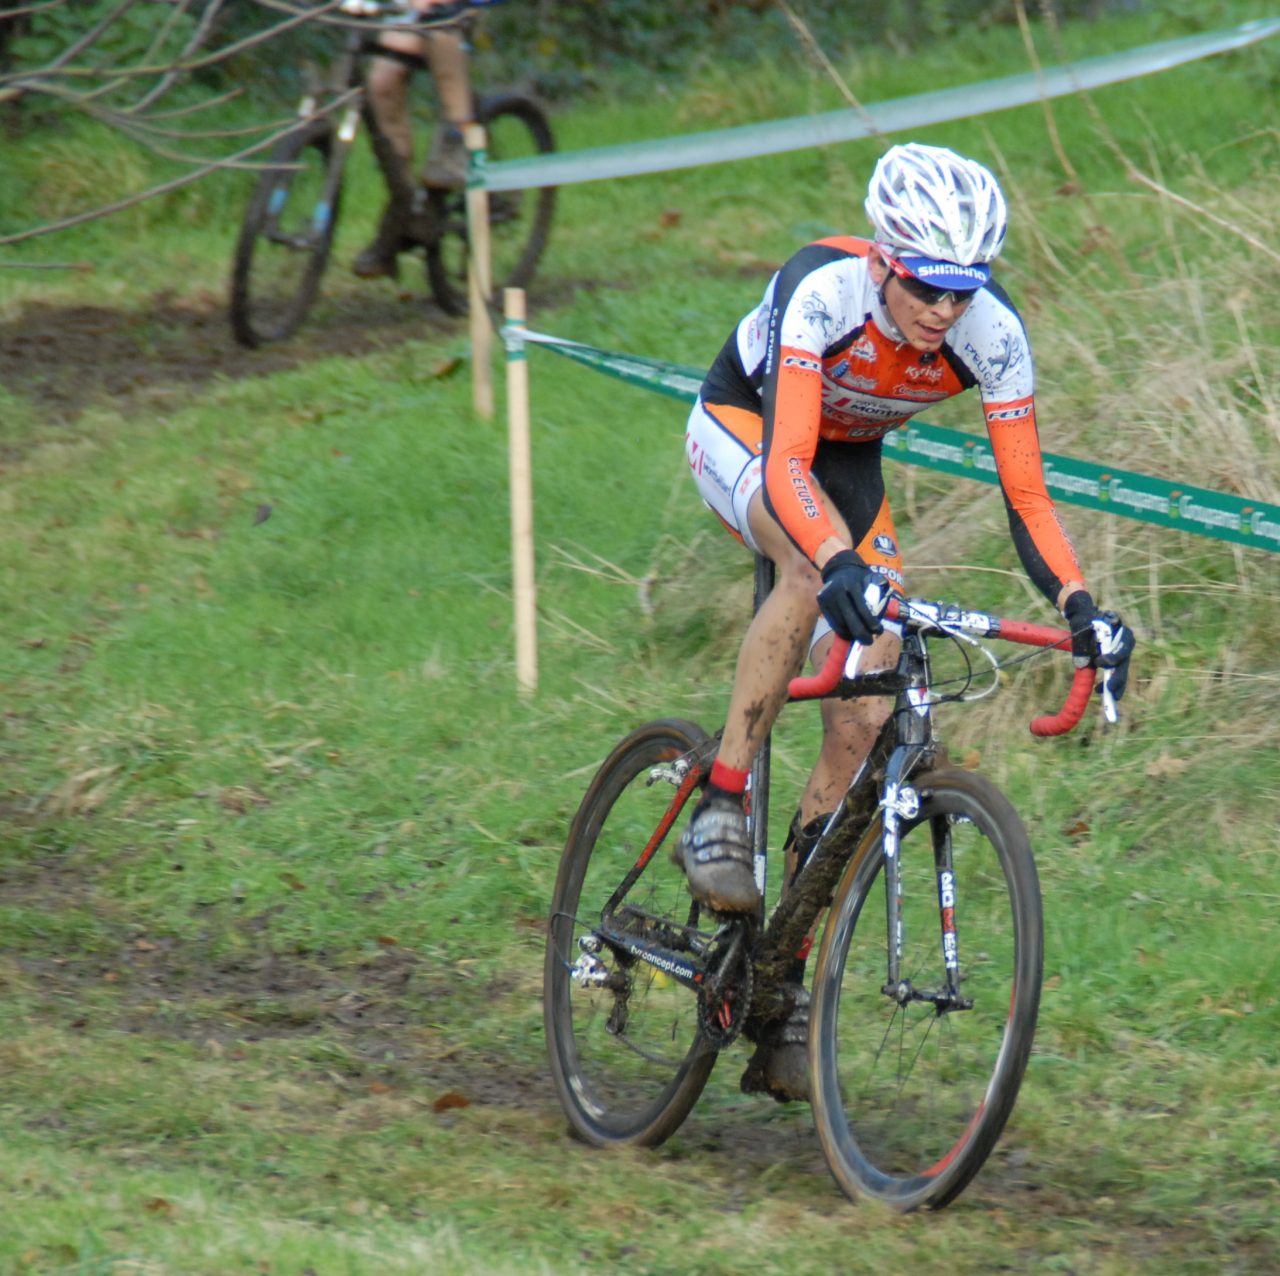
[(567, 47)]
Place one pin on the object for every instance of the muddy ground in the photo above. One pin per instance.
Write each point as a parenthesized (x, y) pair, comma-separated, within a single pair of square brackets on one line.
[(370, 1015), (370, 1012), (62, 358)]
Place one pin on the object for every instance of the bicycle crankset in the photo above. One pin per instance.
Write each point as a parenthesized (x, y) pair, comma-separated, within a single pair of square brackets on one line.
[(724, 997)]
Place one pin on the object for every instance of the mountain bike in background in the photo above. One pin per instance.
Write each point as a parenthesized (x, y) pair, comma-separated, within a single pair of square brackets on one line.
[(927, 984), (288, 227)]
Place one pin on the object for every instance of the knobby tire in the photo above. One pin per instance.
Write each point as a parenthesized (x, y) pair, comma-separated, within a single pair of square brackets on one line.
[(910, 1101), (628, 1062), (519, 221), (285, 237)]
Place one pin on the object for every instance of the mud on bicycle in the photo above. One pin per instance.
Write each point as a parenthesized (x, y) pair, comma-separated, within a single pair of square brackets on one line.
[(927, 984), (293, 214)]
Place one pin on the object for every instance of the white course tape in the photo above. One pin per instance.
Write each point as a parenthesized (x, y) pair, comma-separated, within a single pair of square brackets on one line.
[(692, 150)]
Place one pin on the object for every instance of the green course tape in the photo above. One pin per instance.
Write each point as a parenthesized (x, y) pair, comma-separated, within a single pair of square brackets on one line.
[(1101, 487), (652, 374), (692, 150)]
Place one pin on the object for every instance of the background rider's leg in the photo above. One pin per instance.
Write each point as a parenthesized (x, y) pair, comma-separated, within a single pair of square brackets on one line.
[(387, 100), (388, 88), (446, 166), (447, 58)]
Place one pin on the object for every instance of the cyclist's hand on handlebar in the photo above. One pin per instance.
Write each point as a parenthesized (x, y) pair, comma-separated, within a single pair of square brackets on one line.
[(853, 597), (1100, 639)]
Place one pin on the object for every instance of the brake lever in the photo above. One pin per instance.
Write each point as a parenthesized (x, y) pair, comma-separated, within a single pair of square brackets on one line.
[(1109, 710)]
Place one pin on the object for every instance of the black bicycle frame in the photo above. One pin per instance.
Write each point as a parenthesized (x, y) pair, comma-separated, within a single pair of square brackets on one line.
[(759, 811), (904, 746)]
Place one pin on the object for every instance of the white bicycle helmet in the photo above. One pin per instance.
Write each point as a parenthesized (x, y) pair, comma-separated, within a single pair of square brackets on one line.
[(926, 202)]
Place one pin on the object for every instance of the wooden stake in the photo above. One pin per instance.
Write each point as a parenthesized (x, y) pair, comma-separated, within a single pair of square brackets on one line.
[(520, 471), (479, 283)]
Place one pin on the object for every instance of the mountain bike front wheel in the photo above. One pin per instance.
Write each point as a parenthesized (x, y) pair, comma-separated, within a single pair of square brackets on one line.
[(911, 1094), (519, 221), (627, 1055), (286, 236)]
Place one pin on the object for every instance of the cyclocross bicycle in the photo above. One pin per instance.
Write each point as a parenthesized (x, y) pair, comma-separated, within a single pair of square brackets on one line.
[(927, 982), (289, 225)]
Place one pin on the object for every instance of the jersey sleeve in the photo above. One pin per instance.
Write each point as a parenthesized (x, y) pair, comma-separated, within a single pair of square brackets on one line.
[(999, 354), (1038, 534)]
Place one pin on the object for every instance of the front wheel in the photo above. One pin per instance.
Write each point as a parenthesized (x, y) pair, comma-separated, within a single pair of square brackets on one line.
[(286, 236), (627, 1055), (912, 1089), (519, 221)]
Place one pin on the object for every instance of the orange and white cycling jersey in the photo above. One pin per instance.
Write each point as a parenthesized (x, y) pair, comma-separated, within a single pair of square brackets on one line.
[(818, 361)]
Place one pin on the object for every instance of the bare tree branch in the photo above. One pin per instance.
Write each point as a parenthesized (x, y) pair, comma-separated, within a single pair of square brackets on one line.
[(203, 27), (92, 36), (33, 81), (27, 10), (165, 188), (122, 92), (194, 108)]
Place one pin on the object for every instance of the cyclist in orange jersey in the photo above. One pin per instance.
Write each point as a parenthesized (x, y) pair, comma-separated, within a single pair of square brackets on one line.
[(851, 339)]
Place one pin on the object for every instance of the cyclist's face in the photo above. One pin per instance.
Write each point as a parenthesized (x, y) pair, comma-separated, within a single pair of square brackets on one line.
[(923, 315)]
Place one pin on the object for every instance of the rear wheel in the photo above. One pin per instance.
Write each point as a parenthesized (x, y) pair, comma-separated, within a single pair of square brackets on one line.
[(519, 221), (285, 237), (910, 1095), (627, 1055)]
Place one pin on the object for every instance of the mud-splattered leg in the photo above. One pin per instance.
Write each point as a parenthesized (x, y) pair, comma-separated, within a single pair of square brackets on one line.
[(773, 652)]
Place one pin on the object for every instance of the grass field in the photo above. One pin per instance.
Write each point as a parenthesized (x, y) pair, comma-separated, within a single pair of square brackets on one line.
[(279, 835)]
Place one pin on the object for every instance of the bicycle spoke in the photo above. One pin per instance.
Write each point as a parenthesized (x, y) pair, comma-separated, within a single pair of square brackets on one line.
[(913, 1092), (626, 1052)]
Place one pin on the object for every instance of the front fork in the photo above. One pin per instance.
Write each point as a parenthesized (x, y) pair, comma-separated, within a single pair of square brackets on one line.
[(325, 208), (898, 801), (901, 801)]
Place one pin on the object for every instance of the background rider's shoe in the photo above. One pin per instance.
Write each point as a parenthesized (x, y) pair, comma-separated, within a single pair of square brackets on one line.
[(786, 1066), (446, 167), (715, 853), (378, 259)]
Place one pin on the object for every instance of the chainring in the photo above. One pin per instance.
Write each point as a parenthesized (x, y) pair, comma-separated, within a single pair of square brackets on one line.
[(724, 997)]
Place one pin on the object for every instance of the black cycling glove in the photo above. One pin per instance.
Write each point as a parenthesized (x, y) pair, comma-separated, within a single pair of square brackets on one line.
[(852, 597), (1099, 639)]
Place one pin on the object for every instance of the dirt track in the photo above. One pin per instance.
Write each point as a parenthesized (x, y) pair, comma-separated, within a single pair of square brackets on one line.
[(63, 358)]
